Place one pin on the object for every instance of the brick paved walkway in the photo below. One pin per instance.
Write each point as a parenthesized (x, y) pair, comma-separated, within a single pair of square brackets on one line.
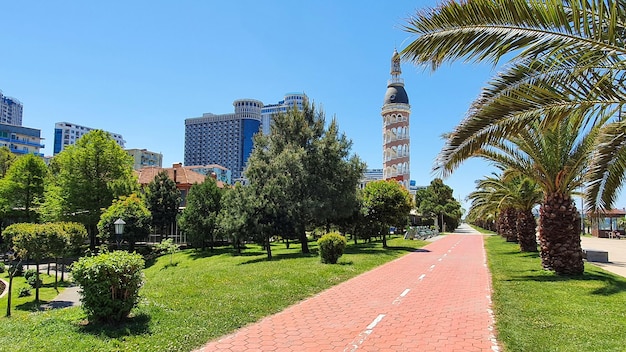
[(436, 299)]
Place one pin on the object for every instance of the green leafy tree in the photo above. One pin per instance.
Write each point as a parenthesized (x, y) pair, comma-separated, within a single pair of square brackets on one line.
[(386, 204), (30, 240), (198, 219), (6, 159), (307, 169), (88, 177), (75, 236), (8, 234), (22, 188), (437, 200), (168, 246), (163, 200), (236, 217), (133, 211)]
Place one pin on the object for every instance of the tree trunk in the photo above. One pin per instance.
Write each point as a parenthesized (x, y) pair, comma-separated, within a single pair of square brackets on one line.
[(559, 223), (526, 231), (9, 295), (303, 240), (62, 269), (37, 282), (56, 274), (508, 226), (268, 247)]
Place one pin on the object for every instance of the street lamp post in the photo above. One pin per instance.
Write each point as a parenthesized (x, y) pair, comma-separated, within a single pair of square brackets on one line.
[(119, 230)]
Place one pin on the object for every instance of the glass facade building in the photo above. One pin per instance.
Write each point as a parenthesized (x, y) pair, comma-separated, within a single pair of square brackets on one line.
[(226, 139)]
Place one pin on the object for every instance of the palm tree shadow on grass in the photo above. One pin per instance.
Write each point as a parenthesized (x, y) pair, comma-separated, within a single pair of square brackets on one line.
[(132, 326), (612, 284)]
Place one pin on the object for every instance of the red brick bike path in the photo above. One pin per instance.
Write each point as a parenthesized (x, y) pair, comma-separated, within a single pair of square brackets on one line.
[(435, 299)]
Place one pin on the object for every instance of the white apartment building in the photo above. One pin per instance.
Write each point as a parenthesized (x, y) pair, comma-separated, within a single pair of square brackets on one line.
[(144, 157), (66, 133)]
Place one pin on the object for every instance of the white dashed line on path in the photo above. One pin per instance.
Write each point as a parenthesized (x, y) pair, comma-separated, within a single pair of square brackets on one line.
[(358, 341)]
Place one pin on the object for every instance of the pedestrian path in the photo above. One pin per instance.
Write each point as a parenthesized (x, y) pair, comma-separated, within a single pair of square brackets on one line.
[(434, 299)]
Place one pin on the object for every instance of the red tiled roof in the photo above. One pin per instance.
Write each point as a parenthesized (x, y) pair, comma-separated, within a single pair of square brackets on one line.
[(184, 175)]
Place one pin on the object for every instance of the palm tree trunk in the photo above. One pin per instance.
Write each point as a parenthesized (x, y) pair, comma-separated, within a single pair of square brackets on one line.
[(526, 231), (559, 222), (508, 229)]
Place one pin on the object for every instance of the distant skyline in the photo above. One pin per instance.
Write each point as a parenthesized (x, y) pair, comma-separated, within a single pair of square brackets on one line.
[(141, 68)]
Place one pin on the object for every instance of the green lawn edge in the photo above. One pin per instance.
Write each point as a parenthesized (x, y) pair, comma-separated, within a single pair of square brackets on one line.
[(536, 310)]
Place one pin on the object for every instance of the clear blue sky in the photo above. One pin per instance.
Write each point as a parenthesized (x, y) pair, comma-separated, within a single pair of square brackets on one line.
[(140, 68)]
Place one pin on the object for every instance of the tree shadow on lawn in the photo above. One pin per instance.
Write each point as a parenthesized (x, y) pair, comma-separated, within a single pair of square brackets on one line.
[(207, 253), (282, 256), (612, 284), (132, 326)]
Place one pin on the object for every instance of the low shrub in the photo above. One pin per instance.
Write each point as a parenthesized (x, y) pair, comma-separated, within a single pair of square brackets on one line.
[(331, 247), (23, 292), (34, 282), (2, 268), (110, 284), (28, 274)]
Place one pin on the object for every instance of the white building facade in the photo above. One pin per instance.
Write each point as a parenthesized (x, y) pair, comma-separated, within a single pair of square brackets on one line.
[(66, 133)]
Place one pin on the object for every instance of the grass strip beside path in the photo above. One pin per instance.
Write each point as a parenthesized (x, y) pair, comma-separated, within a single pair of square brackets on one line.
[(202, 297), (537, 310)]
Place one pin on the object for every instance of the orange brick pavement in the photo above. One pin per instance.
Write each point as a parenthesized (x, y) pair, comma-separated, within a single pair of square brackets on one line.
[(435, 299)]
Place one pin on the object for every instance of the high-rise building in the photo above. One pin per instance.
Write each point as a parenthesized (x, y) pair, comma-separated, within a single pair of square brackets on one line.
[(20, 139), (144, 157), (290, 101), (66, 133), (370, 175), (396, 142), (11, 110), (223, 139)]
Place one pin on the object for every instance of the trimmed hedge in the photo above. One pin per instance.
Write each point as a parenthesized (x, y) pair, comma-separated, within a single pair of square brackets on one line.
[(331, 247), (110, 284)]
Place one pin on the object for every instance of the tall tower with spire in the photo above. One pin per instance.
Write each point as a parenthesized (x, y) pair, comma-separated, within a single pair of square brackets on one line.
[(396, 142)]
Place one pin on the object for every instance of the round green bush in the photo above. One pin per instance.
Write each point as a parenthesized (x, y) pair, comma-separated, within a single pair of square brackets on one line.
[(34, 283), (331, 247), (24, 292), (2, 268), (28, 274), (110, 284)]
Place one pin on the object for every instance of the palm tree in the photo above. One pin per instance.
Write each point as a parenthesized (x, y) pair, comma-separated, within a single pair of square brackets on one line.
[(554, 157), (566, 61), (483, 210), (516, 196)]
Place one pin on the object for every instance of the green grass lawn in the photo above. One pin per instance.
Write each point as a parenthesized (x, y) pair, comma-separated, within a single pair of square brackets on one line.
[(537, 310), (202, 297)]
